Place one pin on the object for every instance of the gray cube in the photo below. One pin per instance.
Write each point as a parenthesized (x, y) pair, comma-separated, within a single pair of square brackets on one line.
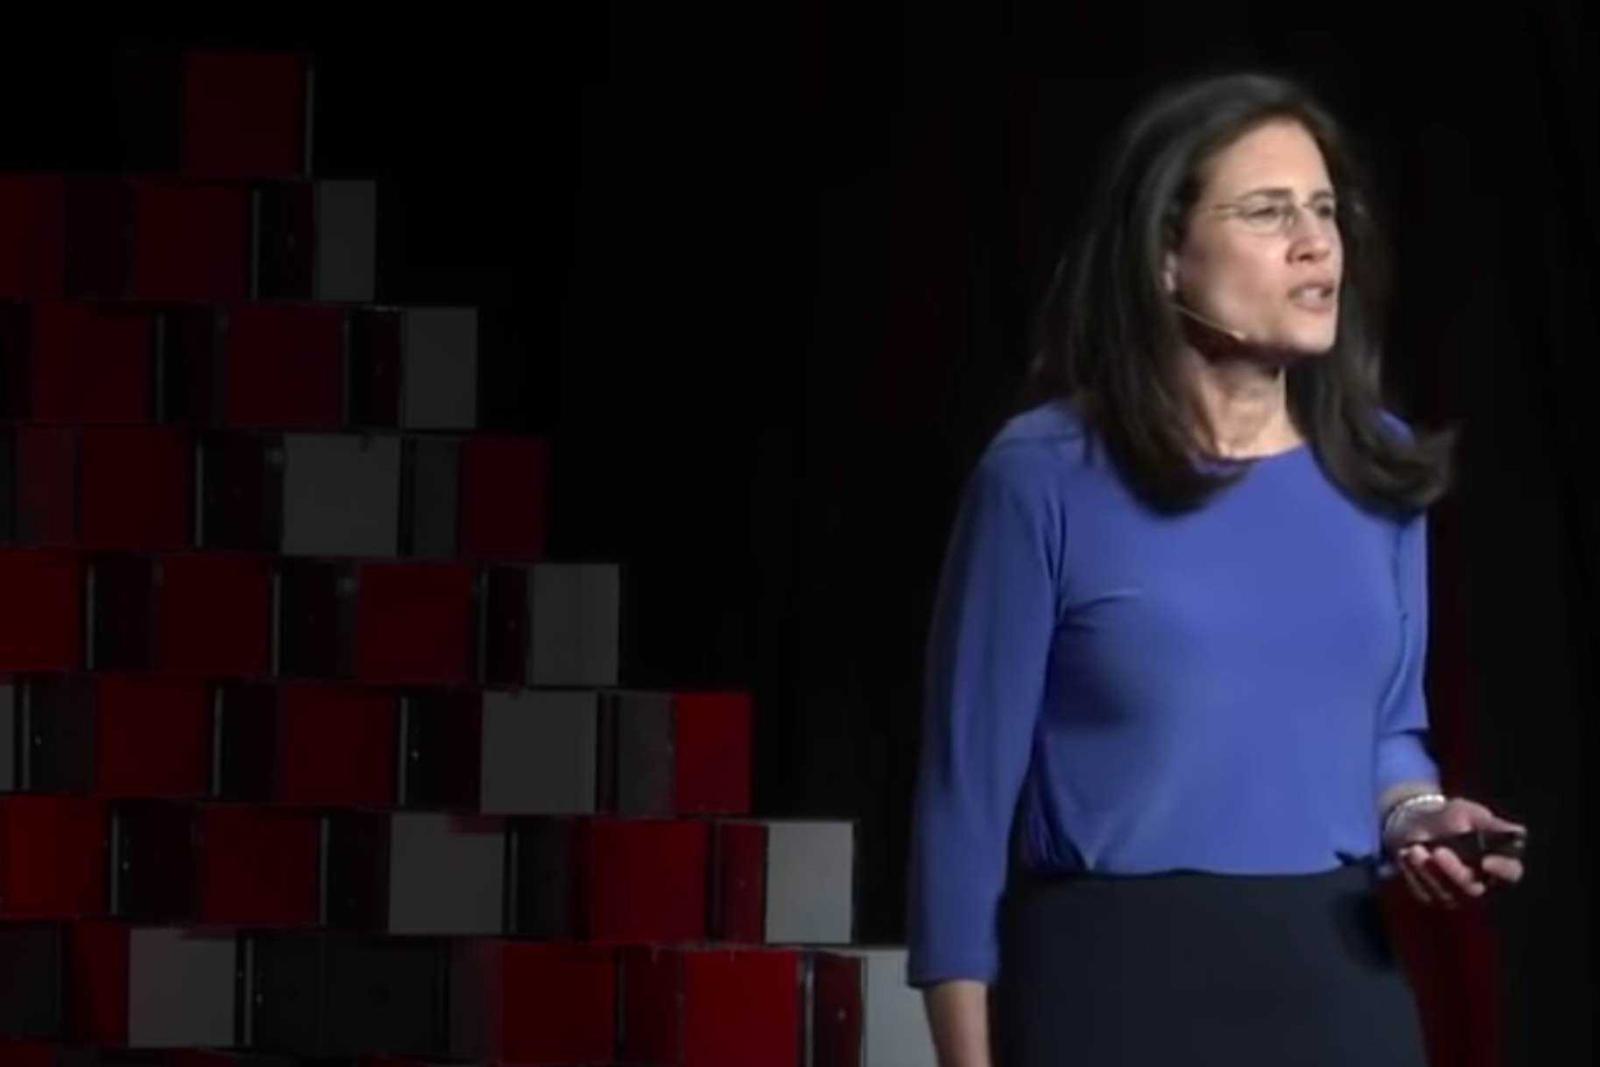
[(180, 988), (435, 475), (341, 494), (540, 752), (894, 1028), (439, 388), (810, 881), (446, 874), (646, 752), (574, 616), (347, 241)]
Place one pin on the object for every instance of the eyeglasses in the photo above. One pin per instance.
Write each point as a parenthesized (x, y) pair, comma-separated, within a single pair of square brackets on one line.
[(1275, 216)]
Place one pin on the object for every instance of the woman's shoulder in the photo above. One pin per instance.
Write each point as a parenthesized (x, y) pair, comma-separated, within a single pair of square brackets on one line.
[(1050, 433), (1052, 424), (1034, 450)]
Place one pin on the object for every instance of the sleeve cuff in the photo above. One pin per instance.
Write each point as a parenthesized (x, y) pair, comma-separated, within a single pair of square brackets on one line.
[(1403, 758), (921, 973)]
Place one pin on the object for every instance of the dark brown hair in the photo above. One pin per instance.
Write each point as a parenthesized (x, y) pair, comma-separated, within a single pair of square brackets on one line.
[(1106, 339)]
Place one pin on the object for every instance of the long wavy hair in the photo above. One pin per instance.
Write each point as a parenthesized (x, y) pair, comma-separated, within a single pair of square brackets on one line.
[(1107, 340)]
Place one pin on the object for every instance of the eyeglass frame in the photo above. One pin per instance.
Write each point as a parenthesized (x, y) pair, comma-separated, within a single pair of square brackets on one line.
[(1237, 208)]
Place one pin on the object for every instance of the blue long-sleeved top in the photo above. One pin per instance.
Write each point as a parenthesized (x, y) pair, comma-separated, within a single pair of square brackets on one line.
[(1229, 690)]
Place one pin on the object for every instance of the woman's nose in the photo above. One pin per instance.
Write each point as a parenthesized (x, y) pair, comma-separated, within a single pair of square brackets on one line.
[(1309, 235)]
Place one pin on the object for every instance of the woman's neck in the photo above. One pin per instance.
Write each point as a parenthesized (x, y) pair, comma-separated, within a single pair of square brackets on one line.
[(1240, 406)]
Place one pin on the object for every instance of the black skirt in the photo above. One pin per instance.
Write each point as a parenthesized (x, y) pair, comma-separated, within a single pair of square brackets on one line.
[(1199, 969)]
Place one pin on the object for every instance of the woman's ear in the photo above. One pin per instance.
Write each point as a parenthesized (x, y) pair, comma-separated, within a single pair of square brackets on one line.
[(1169, 274)]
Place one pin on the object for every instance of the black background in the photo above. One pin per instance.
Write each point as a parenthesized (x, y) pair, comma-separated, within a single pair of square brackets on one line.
[(772, 267)]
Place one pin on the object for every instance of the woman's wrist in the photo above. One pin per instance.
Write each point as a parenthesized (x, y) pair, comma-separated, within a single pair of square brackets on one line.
[(1400, 811)]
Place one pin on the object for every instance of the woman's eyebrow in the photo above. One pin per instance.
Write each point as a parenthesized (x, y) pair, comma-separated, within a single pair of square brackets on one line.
[(1279, 192)]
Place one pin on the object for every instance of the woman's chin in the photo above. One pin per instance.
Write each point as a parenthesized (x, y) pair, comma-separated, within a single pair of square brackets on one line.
[(1303, 344)]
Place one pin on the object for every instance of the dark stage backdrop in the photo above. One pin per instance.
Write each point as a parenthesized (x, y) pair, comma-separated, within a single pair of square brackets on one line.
[(772, 266)]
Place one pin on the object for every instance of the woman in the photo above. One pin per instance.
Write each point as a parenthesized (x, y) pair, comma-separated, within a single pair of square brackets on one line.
[(1174, 724)]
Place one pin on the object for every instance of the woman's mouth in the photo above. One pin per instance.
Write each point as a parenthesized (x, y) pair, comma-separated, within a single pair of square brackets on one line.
[(1316, 297)]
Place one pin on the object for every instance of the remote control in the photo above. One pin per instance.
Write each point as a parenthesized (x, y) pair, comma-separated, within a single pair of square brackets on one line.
[(1474, 845)]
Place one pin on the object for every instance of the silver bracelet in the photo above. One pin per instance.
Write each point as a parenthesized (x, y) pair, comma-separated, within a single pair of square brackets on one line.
[(1438, 800)]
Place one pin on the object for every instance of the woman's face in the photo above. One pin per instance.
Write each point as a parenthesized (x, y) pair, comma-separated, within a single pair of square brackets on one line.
[(1262, 253)]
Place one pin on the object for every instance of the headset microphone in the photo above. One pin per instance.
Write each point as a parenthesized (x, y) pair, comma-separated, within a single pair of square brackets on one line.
[(1237, 335)]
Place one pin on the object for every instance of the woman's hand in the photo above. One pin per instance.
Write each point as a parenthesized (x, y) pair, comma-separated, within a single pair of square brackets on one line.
[(1438, 875)]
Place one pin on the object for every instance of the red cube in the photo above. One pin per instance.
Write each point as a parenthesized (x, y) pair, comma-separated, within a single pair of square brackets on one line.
[(191, 241), (712, 1007), (41, 622), (284, 366), (99, 216), (214, 614), (152, 737), (15, 1052), (335, 745), (257, 866), (646, 879), (136, 487), (836, 1015), (713, 773), (496, 984), (414, 622), (32, 236), (741, 882), (52, 856), (245, 114), (505, 497), (47, 485), (90, 363)]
